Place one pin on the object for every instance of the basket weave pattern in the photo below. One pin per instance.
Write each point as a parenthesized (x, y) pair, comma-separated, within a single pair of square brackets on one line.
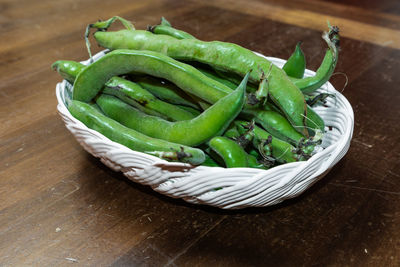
[(238, 187)]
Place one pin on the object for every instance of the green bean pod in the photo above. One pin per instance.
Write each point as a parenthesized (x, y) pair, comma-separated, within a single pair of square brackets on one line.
[(179, 34), (164, 90), (279, 150), (295, 66), (128, 92), (68, 69), (165, 28), (127, 99), (221, 56), (131, 92), (232, 154), (134, 140), (328, 65), (315, 124), (211, 122), (274, 123), (89, 81)]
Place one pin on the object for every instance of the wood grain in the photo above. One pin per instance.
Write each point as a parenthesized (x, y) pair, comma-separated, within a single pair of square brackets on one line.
[(316, 21), (61, 206)]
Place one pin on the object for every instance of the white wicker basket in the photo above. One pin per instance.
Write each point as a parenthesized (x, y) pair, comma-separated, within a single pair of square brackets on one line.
[(241, 187)]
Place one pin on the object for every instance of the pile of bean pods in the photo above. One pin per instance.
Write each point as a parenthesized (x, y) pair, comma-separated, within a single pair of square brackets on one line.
[(163, 92)]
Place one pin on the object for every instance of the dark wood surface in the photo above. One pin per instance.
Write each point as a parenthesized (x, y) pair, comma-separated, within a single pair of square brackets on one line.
[(61, 206)]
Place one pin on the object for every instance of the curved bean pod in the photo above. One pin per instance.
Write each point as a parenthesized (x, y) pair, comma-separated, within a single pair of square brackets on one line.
[(295, 66), (133, 139), (221, 56), (165, 28), (89, 81), (232, 154), (131, 92), (127, 91), (280, 150), (68, 69), (164, 90), (328, 65), (274, 123), (211, 122)]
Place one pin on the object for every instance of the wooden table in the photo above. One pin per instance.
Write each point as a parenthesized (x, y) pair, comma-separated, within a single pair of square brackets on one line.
[(60, 206)]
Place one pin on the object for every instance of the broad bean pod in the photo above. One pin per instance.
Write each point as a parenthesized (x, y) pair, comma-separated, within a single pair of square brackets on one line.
[(221, 56), (309, 84), (211, 122), (314, 122), (164, 90), (272, 148), (274, 123), (128, 91), (131, 92), (295, 66), (328, 65), (68, 69), (165, 28), (231, 153), (89, 81), (134, 140)]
